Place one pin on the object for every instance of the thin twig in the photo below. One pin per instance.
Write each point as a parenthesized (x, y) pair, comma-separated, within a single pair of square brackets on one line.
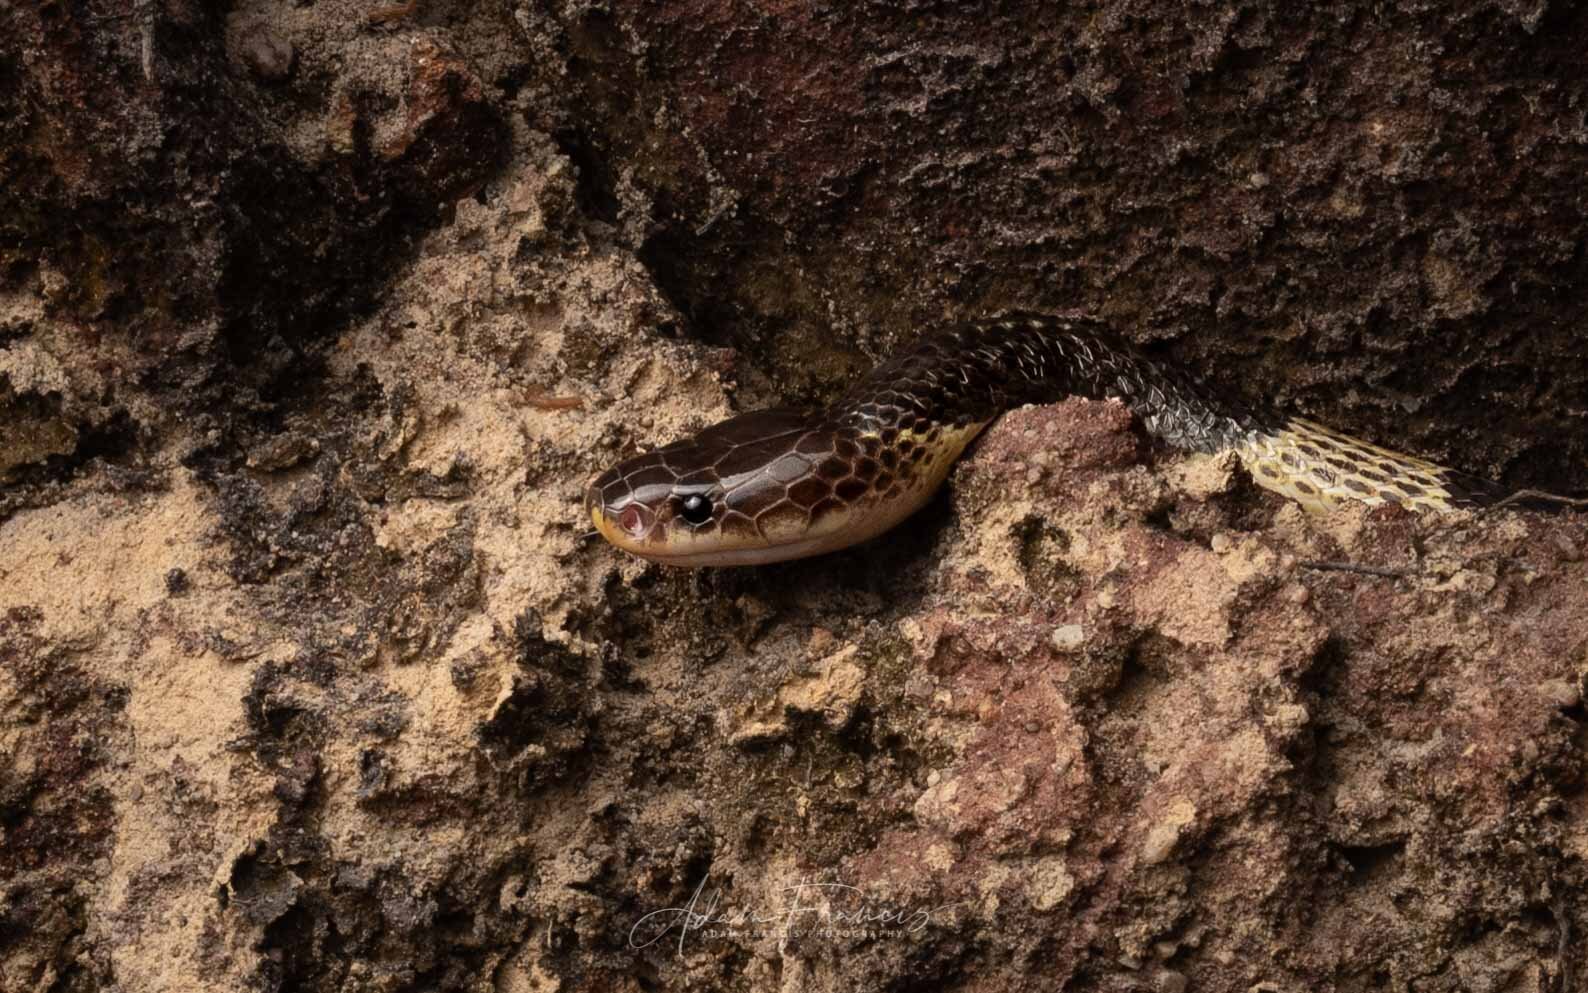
[(545, 401), (396, 12), (1366, 570), (1546, 496)]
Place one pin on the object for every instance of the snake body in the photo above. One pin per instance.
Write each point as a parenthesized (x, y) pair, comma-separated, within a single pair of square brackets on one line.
[(784, 484)]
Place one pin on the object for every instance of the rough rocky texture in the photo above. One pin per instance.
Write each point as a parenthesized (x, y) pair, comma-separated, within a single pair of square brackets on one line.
[(314, 319)]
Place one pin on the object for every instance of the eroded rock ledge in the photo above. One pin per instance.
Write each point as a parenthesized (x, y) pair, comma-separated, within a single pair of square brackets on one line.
[(315, 320)]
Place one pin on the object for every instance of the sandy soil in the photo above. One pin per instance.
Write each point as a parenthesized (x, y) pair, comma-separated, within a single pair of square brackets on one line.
[(315, 319)]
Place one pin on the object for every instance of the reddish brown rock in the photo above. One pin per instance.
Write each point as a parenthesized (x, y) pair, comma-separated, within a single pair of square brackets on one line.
[(312, 677)]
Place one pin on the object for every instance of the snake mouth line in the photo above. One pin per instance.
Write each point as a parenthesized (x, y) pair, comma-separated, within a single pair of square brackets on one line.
[(660, 553)]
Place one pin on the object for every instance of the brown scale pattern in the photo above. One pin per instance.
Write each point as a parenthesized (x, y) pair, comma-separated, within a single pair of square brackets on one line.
[(756, 468), (876, 454)]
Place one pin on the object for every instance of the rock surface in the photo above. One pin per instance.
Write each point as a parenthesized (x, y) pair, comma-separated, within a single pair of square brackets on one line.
[(315, 319)]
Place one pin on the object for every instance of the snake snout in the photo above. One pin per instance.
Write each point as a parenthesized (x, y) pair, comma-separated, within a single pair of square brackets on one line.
[(596, 505), (613, 509)]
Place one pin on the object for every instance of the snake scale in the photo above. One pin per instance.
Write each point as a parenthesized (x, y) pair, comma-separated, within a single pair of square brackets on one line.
[(784, 484)]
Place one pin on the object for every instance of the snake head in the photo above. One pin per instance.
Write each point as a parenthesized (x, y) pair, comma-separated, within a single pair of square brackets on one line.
[(644, 506), (760, 487)]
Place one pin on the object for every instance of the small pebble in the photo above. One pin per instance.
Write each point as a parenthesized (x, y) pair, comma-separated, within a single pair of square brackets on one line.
[(820, 642), (1067, 637), (1560, 693), (269, 56), (1171, 982)]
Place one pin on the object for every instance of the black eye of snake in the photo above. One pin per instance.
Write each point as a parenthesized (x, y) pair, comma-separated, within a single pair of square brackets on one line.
[(695, 508)]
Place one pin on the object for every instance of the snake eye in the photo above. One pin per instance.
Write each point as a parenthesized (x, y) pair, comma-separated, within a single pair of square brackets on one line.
[(695, 508)]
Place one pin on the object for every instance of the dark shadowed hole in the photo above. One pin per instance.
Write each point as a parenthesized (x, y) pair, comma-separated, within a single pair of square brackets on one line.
[(595, 191), (1161, 516), (1368, 861)]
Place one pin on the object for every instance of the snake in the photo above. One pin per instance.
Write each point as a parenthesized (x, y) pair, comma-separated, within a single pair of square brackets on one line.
[(784, 483)]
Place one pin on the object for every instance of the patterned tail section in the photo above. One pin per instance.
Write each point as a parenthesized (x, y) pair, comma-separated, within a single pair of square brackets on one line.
[(1322, 469), (964, 376)]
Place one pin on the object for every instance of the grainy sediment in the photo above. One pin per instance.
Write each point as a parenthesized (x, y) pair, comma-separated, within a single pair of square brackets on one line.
[(315, 320)]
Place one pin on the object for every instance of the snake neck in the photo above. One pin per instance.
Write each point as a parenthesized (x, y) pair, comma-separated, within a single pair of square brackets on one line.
[(960, 378), (970, 373)]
